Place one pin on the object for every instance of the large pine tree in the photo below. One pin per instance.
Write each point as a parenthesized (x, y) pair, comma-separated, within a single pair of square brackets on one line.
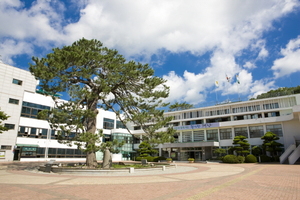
[(97, 77)]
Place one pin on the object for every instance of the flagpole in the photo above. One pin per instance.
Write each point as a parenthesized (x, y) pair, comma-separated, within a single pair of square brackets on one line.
[(217, 85)]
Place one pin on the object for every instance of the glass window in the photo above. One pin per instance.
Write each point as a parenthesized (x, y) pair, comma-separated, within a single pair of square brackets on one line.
[(276, 129), (13, 101), (9, 126), (212, 135), (241, 131), (17, 82), (256, 131), (198, 135), (6, 147), (120, 125), (187, 136), (225, 134), (31, 110), (108, 123)]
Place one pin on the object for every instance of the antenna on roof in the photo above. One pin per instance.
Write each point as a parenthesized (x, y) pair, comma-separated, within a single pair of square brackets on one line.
[(1, 59)]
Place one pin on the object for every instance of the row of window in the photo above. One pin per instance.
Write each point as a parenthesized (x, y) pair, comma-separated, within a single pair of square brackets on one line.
[(110, 124), (250, 108), (228, 133), (42, 133), (5, 147), (39, 152)]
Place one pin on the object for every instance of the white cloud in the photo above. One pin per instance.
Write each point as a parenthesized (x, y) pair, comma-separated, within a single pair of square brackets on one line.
[(11, 48), (249, 65), (290, 61), (143, 28)]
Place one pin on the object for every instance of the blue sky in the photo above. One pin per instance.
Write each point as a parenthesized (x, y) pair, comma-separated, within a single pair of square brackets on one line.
[(191, 43)]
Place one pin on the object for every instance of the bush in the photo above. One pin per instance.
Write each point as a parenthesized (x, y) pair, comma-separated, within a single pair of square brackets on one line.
[(250, 159), (157, 158), (230, 159), (150, 158), (139, 158), (264, 158), (241, 159)]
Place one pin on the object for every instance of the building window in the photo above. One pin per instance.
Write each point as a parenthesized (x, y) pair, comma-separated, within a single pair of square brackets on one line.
[(270, 106), (256, 131), (9, 126), (241, 131), (187, 136), (272, 114), (120, 125), (17, 82), (212, 135), (275, 128), (198, 135), (13, 101), (6, 147), (225, 134), (31, 110), (108, 123)]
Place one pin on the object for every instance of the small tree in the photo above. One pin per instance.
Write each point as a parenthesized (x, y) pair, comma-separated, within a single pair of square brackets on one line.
[(146, 149), (221, 152), (243, 147), (3, 117), (256, 151), (270, 145)]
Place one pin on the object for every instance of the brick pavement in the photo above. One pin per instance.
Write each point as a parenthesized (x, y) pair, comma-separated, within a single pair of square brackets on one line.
[(196, 181)]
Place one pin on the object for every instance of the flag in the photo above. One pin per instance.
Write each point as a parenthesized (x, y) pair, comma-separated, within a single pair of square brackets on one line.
[(237, 79), (217, 83), (228, 78)]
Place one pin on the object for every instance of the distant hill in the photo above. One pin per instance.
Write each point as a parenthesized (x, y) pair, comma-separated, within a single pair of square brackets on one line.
[(283, 91)]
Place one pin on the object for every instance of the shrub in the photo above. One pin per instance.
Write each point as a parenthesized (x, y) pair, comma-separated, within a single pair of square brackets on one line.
[(264, 158), (157, 158), (230, 159), (139, 158), (250, 159), (241, 159)]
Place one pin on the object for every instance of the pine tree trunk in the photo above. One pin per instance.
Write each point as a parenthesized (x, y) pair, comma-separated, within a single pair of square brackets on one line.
[(91, 160)]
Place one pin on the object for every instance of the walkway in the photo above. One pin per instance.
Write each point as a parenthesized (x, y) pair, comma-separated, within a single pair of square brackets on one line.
[(187, 181)]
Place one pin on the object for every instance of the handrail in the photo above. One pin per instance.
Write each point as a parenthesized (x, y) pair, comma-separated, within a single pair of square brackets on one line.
[(294, 156), (287, 152)]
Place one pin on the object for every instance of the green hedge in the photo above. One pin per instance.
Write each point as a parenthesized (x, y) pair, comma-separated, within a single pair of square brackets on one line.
[(250, 159), (151, 158), (241, 159), (264, 158), (230, 159)]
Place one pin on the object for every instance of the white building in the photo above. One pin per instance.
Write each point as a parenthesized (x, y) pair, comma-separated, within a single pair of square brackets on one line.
[(199, 130), (30, 139)]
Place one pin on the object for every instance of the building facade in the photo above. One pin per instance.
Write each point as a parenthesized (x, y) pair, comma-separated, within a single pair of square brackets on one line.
[(31, 139), (199, 130)]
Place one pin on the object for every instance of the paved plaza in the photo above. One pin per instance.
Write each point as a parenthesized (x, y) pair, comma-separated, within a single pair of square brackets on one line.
[(186, 181)]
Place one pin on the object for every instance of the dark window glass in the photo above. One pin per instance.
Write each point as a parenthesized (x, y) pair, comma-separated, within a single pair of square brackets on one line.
[(9, 126), (6, 147), (212, 135), (225, 134), (256, 131), (241, 131), (108, 123), (17, 82), (13, 101), (276, 129)]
